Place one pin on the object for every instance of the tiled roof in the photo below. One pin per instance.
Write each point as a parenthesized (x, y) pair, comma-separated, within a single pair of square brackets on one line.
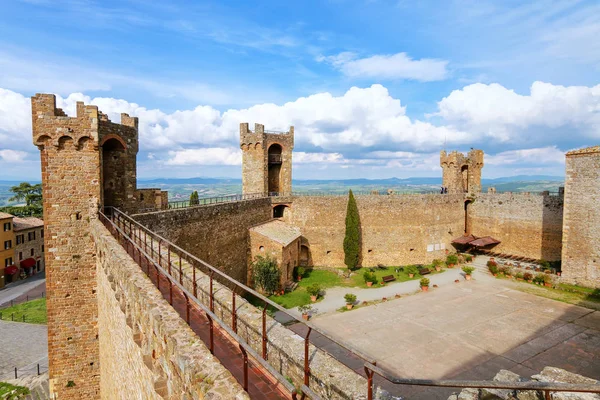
[(21, 224), (587, 150), (5, 215), (278, 231)]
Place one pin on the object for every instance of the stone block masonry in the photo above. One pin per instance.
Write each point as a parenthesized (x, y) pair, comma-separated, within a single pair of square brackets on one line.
[(581, 241), (217, 234), (528, 225), (396, 229), (146, 350)]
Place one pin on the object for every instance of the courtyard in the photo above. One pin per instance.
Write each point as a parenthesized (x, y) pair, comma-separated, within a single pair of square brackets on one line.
[(470, 330)]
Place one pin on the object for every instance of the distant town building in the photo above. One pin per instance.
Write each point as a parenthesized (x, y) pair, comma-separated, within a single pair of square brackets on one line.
[(7, 243), (29, 245)]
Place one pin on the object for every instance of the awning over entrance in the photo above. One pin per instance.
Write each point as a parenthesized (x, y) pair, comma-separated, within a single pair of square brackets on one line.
[(27, 263), (11, 270), (474, 241)]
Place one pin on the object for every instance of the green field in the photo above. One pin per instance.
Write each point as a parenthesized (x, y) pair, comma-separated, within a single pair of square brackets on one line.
[(34, 312)]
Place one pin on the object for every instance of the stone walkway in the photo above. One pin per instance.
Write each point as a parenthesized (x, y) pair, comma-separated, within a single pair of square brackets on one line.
[(22, 346), (469, 330)]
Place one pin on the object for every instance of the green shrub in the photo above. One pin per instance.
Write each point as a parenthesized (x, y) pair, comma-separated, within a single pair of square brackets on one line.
[(437, 262), (492, 263), (299, 272), (266, 274), (314, 289), (493, 268), (352, 239), (468, 270), (370, 277), (452, 259), (424, 282), (539, 278), (519, 275), (544, 265), (412, 269), (468, 258), (350, 298), (305, 309)]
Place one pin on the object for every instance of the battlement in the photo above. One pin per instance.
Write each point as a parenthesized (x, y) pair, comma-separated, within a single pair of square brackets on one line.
[(462, 173), (261, 136), (473, 157)]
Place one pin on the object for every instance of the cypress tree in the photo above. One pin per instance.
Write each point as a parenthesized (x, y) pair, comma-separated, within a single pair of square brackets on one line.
[(352, 240), (194, 199)]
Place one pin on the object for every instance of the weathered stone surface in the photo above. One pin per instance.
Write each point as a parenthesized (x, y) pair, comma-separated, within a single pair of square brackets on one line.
[(462, 174), (145, 347), (468, 394), (552, 374), (581, 247)]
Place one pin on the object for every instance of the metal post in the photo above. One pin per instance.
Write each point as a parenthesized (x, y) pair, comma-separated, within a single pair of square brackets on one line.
[(187, 309), (264, 332), (306, 359), (16, 377), (212, 297), (38, 368), (170, 292), (370, 382), (194, 278), (233, 312), (245, 355), (157, 278), (211, 337), (169, 258), (180, 271)]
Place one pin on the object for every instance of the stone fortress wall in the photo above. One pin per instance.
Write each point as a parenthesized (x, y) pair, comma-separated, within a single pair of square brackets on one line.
[(217, 234), (528, 225)]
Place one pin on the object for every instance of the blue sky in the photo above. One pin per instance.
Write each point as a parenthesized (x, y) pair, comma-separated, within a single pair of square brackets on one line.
[(374, 88)]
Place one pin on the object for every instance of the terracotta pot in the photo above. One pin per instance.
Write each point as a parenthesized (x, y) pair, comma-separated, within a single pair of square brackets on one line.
[(529, 281), (495, 275), (369, 284), (558, 273), (313, 298), (451, 266), (438, 269), (305, 317), (424, 288), (456, 281), (299, 278), (411, 275), (349, 306), (468, 277), (519, 279), (547, 284)]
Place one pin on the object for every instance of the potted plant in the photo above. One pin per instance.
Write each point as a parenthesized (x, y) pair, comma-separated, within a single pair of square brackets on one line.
[(539, 279), (528, 276), (314, 291), (300, 273), (452, 260), (468, 272), (305, 310), (411, 271), (468, 258), (369, 278), (492, 267), (519, 275), (424, 284), (547, 280), (350, 300)]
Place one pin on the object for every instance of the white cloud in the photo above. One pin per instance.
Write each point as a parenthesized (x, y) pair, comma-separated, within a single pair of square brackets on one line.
[(389, 66), (505, 115), (13, 156), (206, 156), (536, 156), (301, 157)]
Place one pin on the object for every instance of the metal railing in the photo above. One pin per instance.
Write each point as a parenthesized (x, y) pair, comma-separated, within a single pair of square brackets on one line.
[(546, 387), (204, 201), (121, 227), (32, 369), (141, 238)]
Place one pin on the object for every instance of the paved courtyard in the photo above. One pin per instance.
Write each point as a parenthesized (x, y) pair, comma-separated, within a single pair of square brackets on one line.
[(22, 346), (471, 330)]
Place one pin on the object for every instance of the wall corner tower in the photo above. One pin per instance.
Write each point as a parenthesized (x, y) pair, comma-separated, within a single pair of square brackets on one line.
[(462, 174), (266, 160)]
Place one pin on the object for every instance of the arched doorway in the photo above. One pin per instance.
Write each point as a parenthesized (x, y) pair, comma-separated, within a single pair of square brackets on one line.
[(274, 161), (467, 219), (279, 211), (465, 178), (113, 172), (304, 255)]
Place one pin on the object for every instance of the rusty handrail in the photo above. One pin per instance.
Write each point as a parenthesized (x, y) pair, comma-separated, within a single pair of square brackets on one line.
[(247, 349), (271, 303), (546, 387), (205, 201)]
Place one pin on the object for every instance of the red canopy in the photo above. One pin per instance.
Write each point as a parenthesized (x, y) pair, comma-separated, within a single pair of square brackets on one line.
[(11, 270), (484, 241), (28, 262)]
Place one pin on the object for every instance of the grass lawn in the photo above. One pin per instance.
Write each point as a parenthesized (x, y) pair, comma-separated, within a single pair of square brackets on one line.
[(12, 392), (34, 311), (357, 280)]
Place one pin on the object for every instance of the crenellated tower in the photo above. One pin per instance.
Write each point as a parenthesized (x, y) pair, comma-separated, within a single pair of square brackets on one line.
[(462, 174), (87, 162), (266, 160)]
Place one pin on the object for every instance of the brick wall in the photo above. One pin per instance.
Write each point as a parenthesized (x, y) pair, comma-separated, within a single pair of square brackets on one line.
[(528, 225), (396, 229), (581, 242), (71, 187), (218, 234), (146, 350)]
